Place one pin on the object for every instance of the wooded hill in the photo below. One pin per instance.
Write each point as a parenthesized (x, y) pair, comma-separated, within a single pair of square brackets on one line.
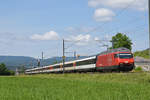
[(144, 54)]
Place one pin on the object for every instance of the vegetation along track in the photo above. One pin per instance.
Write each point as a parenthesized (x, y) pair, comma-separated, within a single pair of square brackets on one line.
[(103, 86)]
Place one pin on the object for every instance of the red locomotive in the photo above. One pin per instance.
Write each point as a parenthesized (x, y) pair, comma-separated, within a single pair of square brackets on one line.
[(117, 59), (120, 59)]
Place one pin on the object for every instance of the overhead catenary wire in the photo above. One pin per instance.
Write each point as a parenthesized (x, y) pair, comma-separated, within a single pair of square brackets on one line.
[(131, 22), (137, 28), (118, 14), (149, 23), (96, 28)]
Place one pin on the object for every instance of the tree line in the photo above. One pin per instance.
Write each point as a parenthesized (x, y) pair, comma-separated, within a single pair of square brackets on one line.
[(5, 71), (121, 40)]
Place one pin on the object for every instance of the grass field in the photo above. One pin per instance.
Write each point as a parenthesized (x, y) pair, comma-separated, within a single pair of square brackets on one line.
[(112, 86)]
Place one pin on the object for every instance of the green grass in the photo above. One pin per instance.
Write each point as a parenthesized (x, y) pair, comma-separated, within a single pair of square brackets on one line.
[(144, 54), (113, 86), (138, 69)]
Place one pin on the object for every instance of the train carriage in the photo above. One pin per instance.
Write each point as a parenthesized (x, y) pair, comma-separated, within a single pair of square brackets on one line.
[(120, 59)]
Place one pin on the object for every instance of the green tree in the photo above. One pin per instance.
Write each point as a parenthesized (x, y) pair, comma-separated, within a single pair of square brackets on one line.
[(121, 40), (4, 70), (55, 62), (22, 69)]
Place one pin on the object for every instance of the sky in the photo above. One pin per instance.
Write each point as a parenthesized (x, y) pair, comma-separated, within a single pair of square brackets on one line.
[(29, 27)]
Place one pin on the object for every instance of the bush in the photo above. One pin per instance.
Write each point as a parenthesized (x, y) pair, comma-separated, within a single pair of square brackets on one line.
[(5, 71), (138, 69)]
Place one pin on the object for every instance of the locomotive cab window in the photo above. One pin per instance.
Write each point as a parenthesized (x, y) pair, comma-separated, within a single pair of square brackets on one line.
[(123, 55), (116, 55)]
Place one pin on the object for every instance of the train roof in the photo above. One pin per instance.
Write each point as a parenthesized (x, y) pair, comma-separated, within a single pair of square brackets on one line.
[(67, 62), (122, 49)]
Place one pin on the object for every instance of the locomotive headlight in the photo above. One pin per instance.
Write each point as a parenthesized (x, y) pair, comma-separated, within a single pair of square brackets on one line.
[(121, 64)]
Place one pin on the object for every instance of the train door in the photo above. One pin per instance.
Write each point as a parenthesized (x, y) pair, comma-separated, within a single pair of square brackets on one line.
[(109, 60)]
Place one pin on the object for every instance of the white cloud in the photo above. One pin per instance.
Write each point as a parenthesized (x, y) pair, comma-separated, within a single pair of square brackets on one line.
[(80, 30), (70, 29), (104, 40), (52, 35), (96, 39), (83, 39), (103, 14), (80, 39), (134, 4)]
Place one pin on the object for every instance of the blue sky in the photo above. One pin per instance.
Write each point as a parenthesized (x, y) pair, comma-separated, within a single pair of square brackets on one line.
[(28, 27)]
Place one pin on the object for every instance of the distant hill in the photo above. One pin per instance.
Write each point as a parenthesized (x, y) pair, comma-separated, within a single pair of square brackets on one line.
[(16, 61), (12, 62), (144, 54)]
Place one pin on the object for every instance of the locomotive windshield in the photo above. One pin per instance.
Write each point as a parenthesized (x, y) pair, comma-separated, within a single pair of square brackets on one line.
[(124, 55)]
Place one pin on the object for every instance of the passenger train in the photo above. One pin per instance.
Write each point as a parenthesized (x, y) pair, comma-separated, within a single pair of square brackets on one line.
[(120, 59)]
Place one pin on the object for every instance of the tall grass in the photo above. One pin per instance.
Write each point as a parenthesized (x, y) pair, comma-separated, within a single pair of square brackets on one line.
[(116, 86)]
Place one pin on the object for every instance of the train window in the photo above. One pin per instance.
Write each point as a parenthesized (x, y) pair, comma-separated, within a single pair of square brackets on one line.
[(69, 65), (123, 55), (55, 67), (86, 62), (116, 55)]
